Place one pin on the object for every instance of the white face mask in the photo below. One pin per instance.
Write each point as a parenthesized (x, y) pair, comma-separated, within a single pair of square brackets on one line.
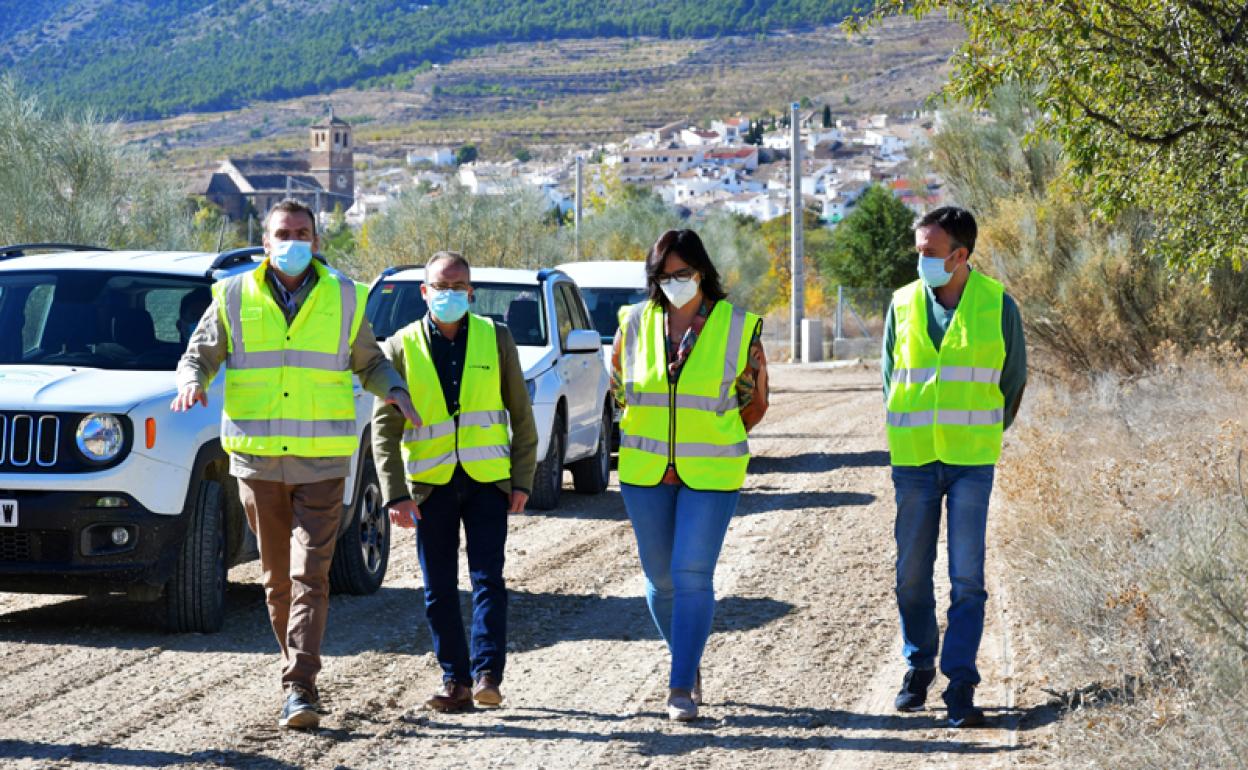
[(679, 293)]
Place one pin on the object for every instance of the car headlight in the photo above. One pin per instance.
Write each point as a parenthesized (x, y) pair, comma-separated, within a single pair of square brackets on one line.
[(100, 437), (531, 387)]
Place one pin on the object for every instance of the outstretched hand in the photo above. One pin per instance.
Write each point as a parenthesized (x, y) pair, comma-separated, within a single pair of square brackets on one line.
[(187, 397)]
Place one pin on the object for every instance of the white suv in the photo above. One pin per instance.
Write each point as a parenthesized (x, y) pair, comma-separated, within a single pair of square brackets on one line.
[(560, 354), (102, 487)]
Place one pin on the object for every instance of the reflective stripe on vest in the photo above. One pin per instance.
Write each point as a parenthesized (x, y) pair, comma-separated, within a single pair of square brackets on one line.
[(947, 404), (478, 437), (696, 423), (288, 388)]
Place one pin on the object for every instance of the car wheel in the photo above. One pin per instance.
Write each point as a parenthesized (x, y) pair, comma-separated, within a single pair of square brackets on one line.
[(548, 479), (194, 598), (591, 475), (363, 550)]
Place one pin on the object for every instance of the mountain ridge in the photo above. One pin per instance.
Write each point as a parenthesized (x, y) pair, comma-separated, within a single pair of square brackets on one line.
[(155, 58)]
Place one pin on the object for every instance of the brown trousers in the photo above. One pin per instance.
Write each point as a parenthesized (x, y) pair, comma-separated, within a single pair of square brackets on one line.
[(296, 526)]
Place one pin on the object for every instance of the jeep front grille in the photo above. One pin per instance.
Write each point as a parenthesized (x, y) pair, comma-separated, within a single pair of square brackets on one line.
[(29, 441)]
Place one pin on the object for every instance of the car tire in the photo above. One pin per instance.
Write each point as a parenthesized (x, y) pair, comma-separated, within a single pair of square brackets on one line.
[(363, 550), (548, 479), (194, 598), (592, 475)]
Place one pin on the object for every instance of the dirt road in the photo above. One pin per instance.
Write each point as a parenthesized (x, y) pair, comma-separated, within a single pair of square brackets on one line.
[(799, 673)]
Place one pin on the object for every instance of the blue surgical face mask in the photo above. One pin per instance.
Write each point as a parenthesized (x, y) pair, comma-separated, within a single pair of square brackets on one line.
[(290, 257), (932, 271), (448, 306)]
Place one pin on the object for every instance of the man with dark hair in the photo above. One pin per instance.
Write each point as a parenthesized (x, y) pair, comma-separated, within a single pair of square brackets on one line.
[(292, 333), (469, 464), (954, 365)]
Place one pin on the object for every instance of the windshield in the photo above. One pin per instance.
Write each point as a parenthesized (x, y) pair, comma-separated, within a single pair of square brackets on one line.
[(604, 307), (395, 304), (97, 319)]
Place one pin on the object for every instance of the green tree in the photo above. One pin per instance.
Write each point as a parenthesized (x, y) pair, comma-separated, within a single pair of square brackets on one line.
[(1148, 98), (465, 154), (827, 116), (874, 244), (508, 230), (67, 178)]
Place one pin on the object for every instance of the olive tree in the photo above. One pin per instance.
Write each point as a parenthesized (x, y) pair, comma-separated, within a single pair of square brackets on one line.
[(71, 178)]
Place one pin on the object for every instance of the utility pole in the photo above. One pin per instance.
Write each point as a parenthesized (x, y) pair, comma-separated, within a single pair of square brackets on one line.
[(580, 202), (795, 217)]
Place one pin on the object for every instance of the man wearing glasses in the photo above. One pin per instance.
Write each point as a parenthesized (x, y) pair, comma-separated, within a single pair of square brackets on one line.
[(954, 365), (458, 464)]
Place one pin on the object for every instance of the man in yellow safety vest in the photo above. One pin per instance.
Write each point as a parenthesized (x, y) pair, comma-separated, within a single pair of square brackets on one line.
[(468, 460), (955, 366), (291, 334)]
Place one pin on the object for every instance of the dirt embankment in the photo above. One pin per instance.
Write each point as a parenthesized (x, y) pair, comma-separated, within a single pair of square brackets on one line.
[(799, 673)]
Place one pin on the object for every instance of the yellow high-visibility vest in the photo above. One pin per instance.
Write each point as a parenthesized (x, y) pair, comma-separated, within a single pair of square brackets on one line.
[(477, 436), (947, 405), (288, 388), (694, 423)]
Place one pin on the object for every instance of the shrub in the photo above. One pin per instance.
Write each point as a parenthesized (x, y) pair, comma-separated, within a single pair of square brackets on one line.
[(1126, 515)]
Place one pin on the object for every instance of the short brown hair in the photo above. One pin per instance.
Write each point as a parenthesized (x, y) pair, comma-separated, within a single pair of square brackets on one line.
[(290, 206), (454, 257)]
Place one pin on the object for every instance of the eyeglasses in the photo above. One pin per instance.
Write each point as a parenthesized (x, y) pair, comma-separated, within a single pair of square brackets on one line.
[(458, 286), (684, 275)]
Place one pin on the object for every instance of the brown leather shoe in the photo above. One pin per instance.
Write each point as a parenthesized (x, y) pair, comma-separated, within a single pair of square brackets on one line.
[(486, 692), (452, 697)]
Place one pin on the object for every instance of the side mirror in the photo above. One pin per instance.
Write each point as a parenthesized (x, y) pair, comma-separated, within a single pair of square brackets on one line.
[(583, 341)]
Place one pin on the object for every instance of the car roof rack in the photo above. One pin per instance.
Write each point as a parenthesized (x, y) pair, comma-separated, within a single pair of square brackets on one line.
[(20, 249), (242, 256)]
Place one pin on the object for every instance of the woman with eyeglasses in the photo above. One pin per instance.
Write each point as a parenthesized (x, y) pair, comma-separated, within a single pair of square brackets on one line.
[(689, 371)]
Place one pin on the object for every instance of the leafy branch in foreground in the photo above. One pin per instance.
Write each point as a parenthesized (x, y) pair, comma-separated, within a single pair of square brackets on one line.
[(1148, 98)]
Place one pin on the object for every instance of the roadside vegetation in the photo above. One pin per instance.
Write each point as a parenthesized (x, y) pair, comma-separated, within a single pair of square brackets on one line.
[(69, 178)]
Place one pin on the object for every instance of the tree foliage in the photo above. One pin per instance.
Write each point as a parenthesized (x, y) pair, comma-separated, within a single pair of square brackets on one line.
[(1093, 297), (873, 246), (1148, 98), (509, 230), (67, 178)]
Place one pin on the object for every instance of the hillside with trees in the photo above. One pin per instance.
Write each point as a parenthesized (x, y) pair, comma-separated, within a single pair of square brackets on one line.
[(222, 54)]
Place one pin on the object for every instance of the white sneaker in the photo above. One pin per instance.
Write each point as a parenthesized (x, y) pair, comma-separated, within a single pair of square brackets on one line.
[(681, 708)]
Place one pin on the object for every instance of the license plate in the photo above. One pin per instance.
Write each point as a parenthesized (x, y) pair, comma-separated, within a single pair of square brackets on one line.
[(8, 513)]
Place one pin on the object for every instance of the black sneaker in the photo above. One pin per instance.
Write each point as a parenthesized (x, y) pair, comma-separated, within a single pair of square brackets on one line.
[(960, 698), (300, 711), (913, 693)]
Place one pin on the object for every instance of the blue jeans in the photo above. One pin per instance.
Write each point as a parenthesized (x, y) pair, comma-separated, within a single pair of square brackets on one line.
[(482, 509), (919, 491), (679, 533)]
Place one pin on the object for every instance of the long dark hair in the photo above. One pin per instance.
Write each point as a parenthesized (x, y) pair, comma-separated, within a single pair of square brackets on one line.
[(688, 246)]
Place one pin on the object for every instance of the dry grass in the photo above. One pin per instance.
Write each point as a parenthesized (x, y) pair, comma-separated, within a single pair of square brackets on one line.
[(1129, 531)]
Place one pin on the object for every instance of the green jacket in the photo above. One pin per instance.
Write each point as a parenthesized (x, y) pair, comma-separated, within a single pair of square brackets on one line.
[(388, 426), (1013, 371)]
